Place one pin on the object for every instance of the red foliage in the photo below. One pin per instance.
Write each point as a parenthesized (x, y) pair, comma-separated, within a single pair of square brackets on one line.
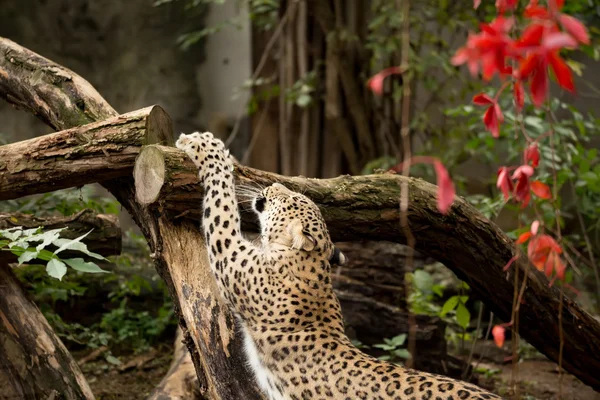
[(532, 154), (498, 332), (541, 190), (376, 81), (493, 115), (446, 191), (534, 52)]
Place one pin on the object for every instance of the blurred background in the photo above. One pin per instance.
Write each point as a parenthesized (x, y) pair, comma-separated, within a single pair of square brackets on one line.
[(284, 83)]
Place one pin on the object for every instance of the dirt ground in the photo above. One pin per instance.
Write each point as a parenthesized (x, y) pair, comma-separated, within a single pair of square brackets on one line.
[(538, 378)]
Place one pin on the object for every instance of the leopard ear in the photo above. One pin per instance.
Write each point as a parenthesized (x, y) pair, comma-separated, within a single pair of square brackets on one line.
[(301, 240)]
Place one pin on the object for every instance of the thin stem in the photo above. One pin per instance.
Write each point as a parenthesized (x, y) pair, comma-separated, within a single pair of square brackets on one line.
[(261, 64), (405, 137)]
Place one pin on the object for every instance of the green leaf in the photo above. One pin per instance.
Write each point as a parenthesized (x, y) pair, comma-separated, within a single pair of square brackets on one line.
[(77, 245), (56, 268), (399, 340), (385, 347), (47, 238), (12, 233), (303, 100), (28, 255), (402, 353), (422, 280), (80, 265), (71, 243), (463, 316), (449, 305), (112, 359)]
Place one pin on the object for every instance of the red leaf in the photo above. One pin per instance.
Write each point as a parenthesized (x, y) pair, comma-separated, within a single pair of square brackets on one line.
[(535, 11), (446, 191), (558, 40), (523, 170), (559, 4), (539, 85), (575, 28), (482, 99), (522, 188), (532, 36), (504, 183), (468, 54), (555, 264), (476, 4), (492, 119), (528, 65), (504, 5), (541, 190), (376, 82), (561, 71), (523, 237), (498, 334), (539, 250), (519, 94), (532, 154)]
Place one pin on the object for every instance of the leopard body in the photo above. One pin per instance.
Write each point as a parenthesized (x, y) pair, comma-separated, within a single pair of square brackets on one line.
[(281, 292)]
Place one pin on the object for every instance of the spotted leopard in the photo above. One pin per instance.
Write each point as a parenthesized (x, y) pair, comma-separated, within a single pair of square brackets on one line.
[(281, 292)]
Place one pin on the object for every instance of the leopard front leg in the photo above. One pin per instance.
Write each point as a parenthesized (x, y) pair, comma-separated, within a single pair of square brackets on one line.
[(234, 260)]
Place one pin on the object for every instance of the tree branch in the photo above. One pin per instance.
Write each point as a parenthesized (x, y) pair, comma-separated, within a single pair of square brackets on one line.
[(90, 153)]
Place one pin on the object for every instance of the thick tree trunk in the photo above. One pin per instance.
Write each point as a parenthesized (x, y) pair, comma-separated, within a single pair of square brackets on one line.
[(181, 382), (34, 364), (105, 238), (355, 208), (90, 153)]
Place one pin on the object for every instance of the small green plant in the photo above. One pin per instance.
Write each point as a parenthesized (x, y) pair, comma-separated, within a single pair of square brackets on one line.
[(30, 244), (488, 372), (394, 348)]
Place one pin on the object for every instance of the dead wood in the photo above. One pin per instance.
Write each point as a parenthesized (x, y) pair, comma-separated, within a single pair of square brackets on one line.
[(91, 153), (34, 363)]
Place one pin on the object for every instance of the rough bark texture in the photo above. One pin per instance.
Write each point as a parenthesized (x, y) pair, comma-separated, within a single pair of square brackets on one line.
[(34, 362), (90, 153), (71, 102), (355, 208), (105, 238), (181, 382)]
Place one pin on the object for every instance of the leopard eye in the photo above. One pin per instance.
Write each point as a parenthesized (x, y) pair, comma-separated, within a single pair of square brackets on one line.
[(259, 204)]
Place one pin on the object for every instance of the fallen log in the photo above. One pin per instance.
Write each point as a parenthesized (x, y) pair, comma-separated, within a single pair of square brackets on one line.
[(105, 238), (34, 363), (90, 153), (355, 208)]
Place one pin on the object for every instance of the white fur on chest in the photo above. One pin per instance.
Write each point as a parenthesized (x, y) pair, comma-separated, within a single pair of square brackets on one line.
[(264, 378)]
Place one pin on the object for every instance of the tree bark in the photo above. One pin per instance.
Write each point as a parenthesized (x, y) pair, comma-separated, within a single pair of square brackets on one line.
[(355, 208), (181, 382), (90, 153), (105, 238), (34, 362)]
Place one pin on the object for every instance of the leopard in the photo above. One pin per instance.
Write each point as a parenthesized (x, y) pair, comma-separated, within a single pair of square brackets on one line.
[(279, 288)]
